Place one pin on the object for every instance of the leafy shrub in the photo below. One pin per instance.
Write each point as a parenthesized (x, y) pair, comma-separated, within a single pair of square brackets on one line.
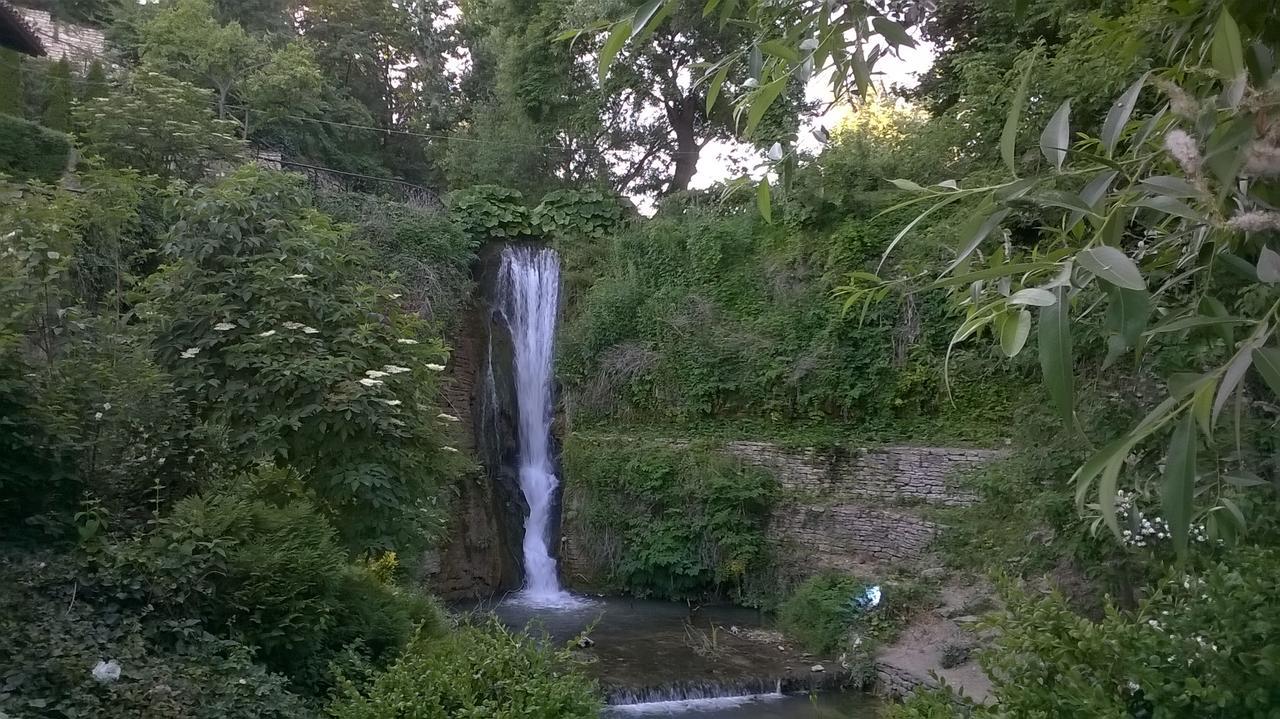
[(53, 637), (489, 211), (817, 613), (277, 327), (91, 409), (31, 152), (273, 577), (825, 609), (684, 523), (427, 250), (1201, 645), (157, 125), (576, 213), (475, 671)]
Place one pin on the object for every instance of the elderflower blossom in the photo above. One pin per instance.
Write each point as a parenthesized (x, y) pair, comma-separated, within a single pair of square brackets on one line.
[(190, 352), (394, 369), (370, 382), (375, 374), (447, 417), (435, 367), (291, 325), (406, 341), (268, 333), (390, 402), (224, 326), (310, 330)]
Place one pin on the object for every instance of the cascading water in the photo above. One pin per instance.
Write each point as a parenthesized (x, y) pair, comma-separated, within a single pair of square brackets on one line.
[(530, 292)]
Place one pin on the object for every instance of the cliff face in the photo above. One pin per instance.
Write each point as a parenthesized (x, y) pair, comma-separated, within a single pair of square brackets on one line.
[(471, 561)]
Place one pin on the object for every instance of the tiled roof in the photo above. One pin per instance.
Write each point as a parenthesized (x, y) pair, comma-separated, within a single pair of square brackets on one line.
[(78, 43), (16, 33)]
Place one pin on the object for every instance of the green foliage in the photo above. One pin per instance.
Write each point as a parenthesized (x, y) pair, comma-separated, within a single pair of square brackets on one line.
[(824, 613), (275, 326), (426, 250), (817, 612), (576, 214), (1205, 209), (31, 152), (55, 630), (95, 82), (1202, 644), (674, 523), (476, 670), (57, 110), (699, 316), (272, 576), (489, 211), (157, 125), (11, 100)]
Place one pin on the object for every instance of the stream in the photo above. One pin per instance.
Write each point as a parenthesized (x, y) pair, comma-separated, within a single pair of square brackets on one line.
[(664, 659)]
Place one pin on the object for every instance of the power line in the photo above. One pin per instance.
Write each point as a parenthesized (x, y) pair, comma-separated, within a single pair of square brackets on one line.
[(388, 131)]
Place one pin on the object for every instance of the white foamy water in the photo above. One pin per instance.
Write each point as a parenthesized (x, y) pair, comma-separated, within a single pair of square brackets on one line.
[(682, 707), (530, 291)]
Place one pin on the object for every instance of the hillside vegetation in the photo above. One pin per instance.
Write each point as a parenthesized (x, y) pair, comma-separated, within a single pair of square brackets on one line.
[(234, 250)]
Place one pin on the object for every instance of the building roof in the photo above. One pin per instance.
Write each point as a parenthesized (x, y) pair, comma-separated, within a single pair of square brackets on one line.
[(16, 34)]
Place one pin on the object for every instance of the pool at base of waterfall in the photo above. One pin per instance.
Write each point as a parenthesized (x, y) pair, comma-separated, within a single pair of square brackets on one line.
[(665, 659)]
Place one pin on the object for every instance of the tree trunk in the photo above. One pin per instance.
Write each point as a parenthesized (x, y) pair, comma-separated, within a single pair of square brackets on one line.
[(682, 116)]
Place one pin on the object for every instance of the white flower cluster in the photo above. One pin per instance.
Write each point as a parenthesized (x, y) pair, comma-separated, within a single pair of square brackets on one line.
[(296, 326), (1148, 530), (190, 352)]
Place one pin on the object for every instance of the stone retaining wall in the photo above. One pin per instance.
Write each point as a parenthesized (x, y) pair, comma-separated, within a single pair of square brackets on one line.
[(843, 509), (879, 475), (840, 508)]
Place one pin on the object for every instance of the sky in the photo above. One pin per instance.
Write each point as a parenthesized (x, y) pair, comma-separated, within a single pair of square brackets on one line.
[(718, 159)]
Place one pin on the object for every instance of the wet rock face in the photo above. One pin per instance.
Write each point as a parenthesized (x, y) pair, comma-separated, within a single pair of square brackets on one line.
[(496, 425)]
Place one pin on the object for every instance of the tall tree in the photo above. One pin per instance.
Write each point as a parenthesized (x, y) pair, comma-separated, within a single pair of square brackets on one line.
[(11, 102), (57, 109), (385, 55), (186, 41), (95, 82)]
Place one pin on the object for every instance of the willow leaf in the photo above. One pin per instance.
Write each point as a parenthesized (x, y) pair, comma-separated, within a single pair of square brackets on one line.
[(1267, 362), (1009, 135), (1055, 354), (1118, 115), (1056, 137), (1178, 491)]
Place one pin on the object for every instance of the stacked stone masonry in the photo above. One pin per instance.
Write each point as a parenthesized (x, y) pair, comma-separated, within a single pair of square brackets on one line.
[(846, 509), (843, 509)]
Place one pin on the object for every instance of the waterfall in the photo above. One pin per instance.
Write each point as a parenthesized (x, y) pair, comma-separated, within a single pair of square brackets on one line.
[(529, 288)]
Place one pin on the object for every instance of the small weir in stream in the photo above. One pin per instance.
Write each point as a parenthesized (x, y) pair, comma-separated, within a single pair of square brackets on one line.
[(651, 658)]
